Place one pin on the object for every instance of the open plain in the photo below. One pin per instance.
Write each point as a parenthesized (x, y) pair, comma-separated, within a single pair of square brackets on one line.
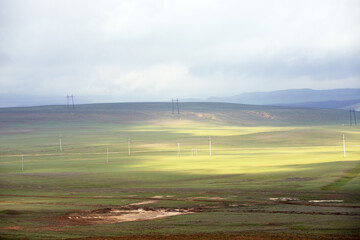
[(213, 171)]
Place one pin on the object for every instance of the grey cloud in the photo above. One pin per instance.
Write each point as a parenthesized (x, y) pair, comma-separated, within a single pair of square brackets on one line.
[(331, 67), (125, 47)]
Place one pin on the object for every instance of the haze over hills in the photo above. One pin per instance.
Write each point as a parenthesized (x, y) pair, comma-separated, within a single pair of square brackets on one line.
[(308, 98), (125, 113), (334, 98), (18, 100)]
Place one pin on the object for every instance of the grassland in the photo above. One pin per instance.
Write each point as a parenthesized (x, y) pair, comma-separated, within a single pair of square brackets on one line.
[(257, 153)]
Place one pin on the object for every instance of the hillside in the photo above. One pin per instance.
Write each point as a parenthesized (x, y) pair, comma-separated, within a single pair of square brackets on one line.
[(135, 168), (125, 113), (334, 98)]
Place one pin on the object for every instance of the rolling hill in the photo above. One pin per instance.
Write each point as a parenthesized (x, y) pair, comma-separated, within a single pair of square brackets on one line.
[(239, 114), (308, 98), (214, 168)]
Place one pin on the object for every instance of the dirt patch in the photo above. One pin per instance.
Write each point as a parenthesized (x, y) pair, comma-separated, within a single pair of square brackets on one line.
[(263, 115), (125, 214), (283, 199), (124, 197), (206, 198), (13, 228), (143, 203), (158, 197), (326, 201)]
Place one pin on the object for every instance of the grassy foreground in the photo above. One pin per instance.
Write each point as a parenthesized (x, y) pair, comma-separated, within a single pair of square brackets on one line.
[(257, 153)]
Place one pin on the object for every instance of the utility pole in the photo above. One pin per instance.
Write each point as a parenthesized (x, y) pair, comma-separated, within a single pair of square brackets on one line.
[(129, 150), (172, 106), (107, 155), (22, 162), (178, 150), (60, 146), (344, 145), (210, 145)]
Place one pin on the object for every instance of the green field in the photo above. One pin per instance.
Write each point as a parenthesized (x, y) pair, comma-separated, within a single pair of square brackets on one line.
[(257, 153)]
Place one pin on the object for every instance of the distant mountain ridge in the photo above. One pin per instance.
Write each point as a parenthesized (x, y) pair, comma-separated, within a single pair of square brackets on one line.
[(309, 98)]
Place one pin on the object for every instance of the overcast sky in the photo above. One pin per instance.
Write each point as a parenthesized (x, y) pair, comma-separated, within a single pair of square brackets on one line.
[(150, 50)]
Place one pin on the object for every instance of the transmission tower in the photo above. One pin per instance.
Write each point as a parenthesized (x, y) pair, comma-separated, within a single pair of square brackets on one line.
[(354, 112), (72, 101), (177, 105), (352, 117), (67, 101)]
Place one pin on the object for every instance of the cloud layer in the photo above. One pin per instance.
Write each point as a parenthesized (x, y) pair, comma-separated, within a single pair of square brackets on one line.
[(140, 50)]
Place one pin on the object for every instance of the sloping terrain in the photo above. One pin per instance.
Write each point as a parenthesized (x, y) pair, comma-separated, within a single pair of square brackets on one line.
[(292, 97), (137, 171), (243, 115)]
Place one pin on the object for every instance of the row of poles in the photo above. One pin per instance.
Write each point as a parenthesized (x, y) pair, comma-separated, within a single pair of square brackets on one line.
[(193, 151), (128, 143), (60, 148)]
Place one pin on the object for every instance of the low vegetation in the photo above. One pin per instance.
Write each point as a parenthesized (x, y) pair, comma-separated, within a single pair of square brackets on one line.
[(159, 164)]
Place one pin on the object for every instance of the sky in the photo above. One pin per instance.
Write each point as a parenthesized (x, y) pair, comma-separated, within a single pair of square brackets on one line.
[(155, 50)]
